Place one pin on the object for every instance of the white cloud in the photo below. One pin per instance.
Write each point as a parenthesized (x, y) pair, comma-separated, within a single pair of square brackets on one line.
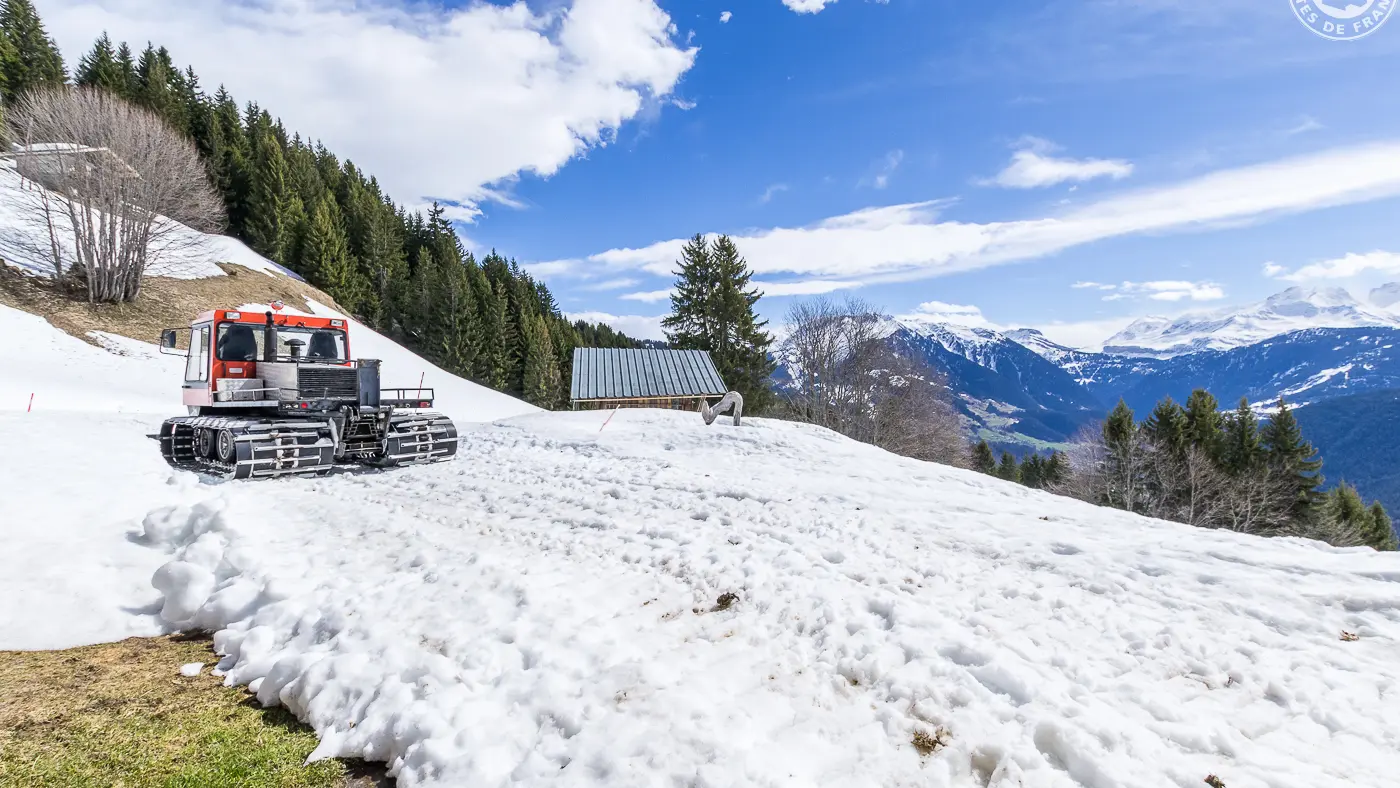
[(1170, 290), (943, 312), (612, 284), (807, 6), (1340, 268), (725, 16), (1085, 334), (649, 297), (888, 165), (912, 241), (635, 326), (1033, 167), (771, 192), (683, 104), (1093, 286), (811, 287), (437, 103), (1305, 124)]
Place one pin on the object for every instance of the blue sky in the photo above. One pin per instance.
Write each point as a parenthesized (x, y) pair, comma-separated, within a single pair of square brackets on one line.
[(979, 161)]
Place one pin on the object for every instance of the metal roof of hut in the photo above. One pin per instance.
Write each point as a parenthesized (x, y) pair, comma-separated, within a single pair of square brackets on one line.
[(615, 374)]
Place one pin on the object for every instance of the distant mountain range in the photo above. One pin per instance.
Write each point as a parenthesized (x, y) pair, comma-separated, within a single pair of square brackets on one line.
[(1292, 310)]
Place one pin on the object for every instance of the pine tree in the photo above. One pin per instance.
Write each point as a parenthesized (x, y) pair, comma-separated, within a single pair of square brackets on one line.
[(712, 309), (268, 197), (1383, 535), (542, 380), (983, 459), (1056, 469), (1203, 423), (1242, 453), (1293, 460), (1033, 472), (126, 68), (153, 86), (99, 68), (36, 62), (689, 326), (325, 255), (1123, 461), (1008, 469), (1166, 427)]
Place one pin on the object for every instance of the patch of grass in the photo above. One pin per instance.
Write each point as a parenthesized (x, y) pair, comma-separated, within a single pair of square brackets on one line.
[(929, 743), (164, 302), (120, 714)]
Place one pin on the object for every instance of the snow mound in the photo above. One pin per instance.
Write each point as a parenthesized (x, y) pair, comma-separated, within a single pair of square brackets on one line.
[(658, 602)]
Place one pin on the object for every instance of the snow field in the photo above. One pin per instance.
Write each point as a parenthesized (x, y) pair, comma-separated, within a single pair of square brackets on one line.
[(542, 610)]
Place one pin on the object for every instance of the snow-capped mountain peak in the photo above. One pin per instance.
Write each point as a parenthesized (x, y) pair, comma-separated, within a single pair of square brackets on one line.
[(1293, 309)]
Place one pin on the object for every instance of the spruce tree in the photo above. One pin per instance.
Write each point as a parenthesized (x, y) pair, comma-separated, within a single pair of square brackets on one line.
[(1293, 460), (689, 326), (1166, 427), (99, 68), (740, 341), (1242, 453), (1382, 530), (325, 255), (1033, 472), (983, 459), (1008, 469), (126, 67), (268, 197), (1123, 459), (1056, 469), (36, 62), (542, 380), (1203, 423)]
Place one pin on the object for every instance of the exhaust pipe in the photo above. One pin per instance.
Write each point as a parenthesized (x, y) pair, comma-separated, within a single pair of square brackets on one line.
[(270, 340)]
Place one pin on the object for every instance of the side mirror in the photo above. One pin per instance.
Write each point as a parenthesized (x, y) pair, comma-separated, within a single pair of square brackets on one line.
[(168, 338)]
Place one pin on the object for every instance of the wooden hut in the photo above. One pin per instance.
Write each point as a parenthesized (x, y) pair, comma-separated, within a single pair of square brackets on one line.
[(618, 378)]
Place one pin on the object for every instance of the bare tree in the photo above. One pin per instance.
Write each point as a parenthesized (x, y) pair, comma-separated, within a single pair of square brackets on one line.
[(846, 377), (117, 190)]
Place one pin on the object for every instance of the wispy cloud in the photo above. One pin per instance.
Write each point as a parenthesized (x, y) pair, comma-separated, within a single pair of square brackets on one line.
[(1170, 290), (944, 312), (649, 297), (1304, 125), (913, 241), (810, 287), (725, 16), (611, 284), (529, 91), (1093, 286), (1034, 166), (1088, 334), (772, 191), (1340, 268), (885, 169)]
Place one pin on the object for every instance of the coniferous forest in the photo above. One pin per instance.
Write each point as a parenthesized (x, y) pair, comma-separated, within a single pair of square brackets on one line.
[(292, 200)]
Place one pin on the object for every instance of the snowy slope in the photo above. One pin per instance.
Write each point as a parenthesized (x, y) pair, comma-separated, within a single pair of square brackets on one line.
[(1293, 309), (24, 240), (543, 610)]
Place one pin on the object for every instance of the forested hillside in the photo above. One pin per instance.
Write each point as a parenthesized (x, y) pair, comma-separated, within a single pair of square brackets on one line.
[(294, 201)]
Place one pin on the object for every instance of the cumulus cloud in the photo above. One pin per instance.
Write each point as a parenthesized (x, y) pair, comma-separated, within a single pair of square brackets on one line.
[(913, 241), (725, 16), (1340, 268), (437, 103), (1034, 166), (807, 6), (635, 326)]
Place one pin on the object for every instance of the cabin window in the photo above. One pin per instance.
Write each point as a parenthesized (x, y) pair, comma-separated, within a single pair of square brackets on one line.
[(197, 367)]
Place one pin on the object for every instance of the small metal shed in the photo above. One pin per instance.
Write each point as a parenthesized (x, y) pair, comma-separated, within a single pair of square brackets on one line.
[(618, 378)]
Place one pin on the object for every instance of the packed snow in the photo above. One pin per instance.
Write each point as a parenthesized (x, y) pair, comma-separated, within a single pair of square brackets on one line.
[(650, 601)]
